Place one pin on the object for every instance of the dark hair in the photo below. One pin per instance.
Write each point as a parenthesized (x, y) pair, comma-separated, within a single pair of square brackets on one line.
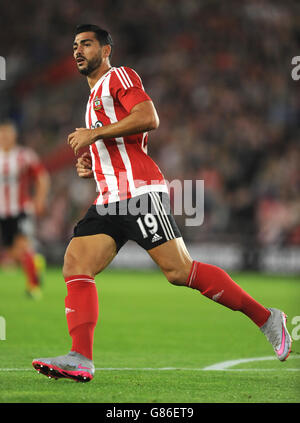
[(9, 122), (102, 35)]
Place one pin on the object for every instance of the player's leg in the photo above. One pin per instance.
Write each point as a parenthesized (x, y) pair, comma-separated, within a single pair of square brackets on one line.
[(23, 253), (88, 255), (85, 257), (19, 249), (213, 282), (97, 239), (158, 227), (174, 260), (96, 242)]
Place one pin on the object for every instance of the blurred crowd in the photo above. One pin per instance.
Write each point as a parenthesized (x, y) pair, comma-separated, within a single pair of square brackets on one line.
[(219, 74)]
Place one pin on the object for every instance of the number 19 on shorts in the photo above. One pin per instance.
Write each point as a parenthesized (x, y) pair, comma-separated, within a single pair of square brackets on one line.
[(149, 221)]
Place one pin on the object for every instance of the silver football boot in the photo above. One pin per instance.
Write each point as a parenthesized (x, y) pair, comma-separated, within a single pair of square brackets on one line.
[(277, 333), (71, 366)]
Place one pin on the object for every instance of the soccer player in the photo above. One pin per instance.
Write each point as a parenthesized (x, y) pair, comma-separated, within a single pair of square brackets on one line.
[(119, 115), (21, 171)]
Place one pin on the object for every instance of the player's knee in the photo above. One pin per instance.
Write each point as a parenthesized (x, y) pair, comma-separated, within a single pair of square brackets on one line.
[(74, 265), (69, 261), (176, 276), (19, 248)]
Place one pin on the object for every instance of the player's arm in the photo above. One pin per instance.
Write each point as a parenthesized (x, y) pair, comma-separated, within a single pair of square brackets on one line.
[(142, 118), (41, 190)]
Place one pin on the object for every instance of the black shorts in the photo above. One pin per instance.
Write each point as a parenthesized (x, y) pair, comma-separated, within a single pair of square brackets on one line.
[(145, 219), (10, 227)]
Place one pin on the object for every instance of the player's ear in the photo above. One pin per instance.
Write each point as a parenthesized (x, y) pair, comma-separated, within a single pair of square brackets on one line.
[(106, 51)]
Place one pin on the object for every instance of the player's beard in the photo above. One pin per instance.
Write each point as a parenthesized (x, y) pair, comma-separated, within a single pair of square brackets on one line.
[(92, 64)]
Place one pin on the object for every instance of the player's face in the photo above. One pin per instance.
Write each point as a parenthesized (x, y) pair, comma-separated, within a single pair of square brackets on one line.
[(87, 52), (8, 137)]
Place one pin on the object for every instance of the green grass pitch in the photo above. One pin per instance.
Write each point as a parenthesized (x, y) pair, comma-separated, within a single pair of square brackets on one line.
[(145, 327)]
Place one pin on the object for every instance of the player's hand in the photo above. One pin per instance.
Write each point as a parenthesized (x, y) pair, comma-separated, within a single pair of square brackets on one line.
[(81, 138), (84, 166)]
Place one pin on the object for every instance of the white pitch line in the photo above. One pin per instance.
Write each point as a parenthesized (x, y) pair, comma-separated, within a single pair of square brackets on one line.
[(231, 363), (226, 365), (120, 369), (222, 366)]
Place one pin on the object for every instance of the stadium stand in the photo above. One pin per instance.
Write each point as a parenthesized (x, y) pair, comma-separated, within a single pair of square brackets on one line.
[(220, 76)]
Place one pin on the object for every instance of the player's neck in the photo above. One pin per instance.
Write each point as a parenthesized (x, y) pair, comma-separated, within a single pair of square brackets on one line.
[(7, 149), (97, 74)]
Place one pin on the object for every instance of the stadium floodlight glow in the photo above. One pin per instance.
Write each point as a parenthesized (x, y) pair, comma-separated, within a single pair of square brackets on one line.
[(2, 328), (2, 68)]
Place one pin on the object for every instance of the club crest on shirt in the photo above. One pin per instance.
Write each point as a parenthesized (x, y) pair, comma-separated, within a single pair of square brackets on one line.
[(97, 103)]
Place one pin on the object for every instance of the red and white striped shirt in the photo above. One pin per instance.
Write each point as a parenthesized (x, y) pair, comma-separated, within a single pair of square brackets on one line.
[(19, 168), (122, 169)]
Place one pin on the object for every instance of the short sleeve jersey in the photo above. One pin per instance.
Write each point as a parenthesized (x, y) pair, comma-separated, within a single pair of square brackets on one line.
[(121, 166)]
